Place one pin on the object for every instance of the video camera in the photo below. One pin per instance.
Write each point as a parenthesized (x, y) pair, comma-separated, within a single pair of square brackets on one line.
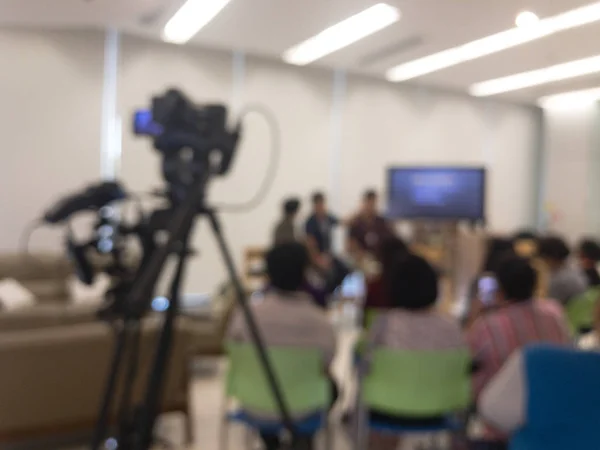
[(194, 140)]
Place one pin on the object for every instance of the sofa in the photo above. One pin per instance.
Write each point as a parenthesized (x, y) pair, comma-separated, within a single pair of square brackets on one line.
[(55, 355)]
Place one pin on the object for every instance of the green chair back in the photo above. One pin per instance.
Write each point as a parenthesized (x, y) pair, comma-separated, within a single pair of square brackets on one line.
[(418, 383), (580, 310), (299, 372)]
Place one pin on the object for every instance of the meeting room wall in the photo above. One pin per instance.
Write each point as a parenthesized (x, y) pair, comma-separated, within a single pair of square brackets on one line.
[(572, 175), (338, 134), (389, 125), (50, 108)]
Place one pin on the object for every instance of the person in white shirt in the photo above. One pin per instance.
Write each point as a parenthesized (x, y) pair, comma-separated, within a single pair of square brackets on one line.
[(288, 317)]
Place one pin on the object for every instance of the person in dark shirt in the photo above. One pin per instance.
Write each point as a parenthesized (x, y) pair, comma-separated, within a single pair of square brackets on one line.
[(589, 256), (320, 224), (369, 229), (318, 228), (285, 230), (368, 234)]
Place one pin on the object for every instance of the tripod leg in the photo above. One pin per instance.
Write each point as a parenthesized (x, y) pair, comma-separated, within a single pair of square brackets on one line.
[(251, 323), (109, 391), (161, 359)]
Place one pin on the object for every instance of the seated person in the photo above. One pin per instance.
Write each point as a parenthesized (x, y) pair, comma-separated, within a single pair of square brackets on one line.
[(411, 323), (566, 281), (497, 249), (525, 243), (514, 319), (367, 233), (588, 253), (565, 391), (319, 227), (286, 229), (287, 316)]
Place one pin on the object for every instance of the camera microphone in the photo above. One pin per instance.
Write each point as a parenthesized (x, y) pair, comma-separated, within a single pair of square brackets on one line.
[(92, 198)]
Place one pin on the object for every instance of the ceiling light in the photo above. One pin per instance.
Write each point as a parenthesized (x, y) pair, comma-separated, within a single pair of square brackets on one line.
[(190, 18), (495, 43), (343, 34), (526, 19), (570, 100), (546, 75)]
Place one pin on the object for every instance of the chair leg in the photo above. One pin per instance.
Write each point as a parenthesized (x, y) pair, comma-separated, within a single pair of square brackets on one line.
[(328, 438), (224, 433)]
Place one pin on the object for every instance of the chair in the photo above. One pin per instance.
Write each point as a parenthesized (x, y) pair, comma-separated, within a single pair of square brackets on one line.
[(300, 374), (580, 311), (418, 384), (561, 410)]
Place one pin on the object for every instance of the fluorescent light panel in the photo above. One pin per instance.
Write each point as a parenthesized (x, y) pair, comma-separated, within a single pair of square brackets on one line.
[(495, 43), (546, 75), (190, 18), (343, 34), (569, 100)]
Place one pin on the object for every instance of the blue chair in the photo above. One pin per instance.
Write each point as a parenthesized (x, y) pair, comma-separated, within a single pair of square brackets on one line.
[(563, 400)]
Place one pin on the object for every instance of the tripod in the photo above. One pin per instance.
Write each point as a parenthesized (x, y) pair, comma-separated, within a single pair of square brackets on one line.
[(134, 431)]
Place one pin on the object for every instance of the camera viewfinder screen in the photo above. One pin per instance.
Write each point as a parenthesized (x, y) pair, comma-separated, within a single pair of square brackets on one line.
[(436, 193), (143, 124)]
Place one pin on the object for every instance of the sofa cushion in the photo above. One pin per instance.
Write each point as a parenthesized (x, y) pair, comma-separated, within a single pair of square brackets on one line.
[(39, 316), (45, 275), (14, 296)]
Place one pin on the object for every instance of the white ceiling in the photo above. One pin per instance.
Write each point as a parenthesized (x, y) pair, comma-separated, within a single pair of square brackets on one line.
[(268, 27)]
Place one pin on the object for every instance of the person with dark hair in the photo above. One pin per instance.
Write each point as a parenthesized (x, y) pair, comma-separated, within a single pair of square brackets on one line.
[(286, 316), (285, 230), (514, 320), (566, 281), (319, 225), (497, 249), (369, 228), (525, 243), (588, 253), (368, 231), (318, 228), (411, 323)]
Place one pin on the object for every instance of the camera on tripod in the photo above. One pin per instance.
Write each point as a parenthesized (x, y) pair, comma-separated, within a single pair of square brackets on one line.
[(195, 143), (193, 140)]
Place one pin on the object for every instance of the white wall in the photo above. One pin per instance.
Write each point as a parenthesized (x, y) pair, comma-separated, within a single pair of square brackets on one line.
[(335, 139), (572, 170), (50, 91), (386, 125)]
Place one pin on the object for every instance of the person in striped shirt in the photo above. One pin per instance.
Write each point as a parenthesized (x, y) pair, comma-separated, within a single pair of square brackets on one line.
[(515, 320)]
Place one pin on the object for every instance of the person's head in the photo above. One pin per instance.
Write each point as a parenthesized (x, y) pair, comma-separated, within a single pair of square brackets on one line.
[(588, 252), (291, 206), (497, 249), (516, 278), (369, 203), (412, 284), (553, 251), (319, 204), (286, 266), (525, 243)]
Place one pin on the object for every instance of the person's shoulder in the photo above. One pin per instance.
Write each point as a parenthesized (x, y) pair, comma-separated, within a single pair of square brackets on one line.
[(549, 307)]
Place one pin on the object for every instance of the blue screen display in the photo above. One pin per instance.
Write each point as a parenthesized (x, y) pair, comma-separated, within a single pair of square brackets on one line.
[(144, 124), (436, 193)]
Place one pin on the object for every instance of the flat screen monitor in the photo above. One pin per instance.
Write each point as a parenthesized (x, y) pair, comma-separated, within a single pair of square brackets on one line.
[(442, 193)]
